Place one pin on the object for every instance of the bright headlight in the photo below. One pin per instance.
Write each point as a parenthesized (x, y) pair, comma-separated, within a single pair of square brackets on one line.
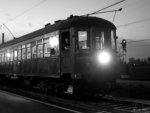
[(104, 57)]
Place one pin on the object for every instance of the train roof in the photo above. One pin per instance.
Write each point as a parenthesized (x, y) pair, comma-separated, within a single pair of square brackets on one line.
[(72, 21)]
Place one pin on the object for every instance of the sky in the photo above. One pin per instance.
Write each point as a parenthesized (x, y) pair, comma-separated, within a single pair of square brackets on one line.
[(133, 22)]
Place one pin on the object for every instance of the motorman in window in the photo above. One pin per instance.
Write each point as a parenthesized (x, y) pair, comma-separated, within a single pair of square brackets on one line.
[(66, 44)]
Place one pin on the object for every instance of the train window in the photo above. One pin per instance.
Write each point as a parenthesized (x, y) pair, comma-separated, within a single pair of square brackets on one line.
[(39, 48), (19, 52), (23, 52), (100, 41), (82, 40), (28, 51), (113, 41), (11, 55), (33, 46), (54, 44), (6, 58), (65, 41), (15, 53), (46, 47), (8, 55), (3, 56), (0, 57)]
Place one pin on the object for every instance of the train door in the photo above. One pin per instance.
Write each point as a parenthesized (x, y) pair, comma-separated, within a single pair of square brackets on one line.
[(65, 52)]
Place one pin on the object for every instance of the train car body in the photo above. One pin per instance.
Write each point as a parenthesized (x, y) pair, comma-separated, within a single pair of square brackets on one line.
[(76, 55)]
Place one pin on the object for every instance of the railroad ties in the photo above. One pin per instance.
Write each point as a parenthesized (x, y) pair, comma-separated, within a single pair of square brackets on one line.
[(101, 105)]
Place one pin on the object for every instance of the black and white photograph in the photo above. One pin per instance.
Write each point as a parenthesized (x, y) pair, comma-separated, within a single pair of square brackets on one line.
[(74, 56)]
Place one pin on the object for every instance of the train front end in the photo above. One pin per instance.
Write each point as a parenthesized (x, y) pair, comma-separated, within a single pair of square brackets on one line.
[(95, 65)]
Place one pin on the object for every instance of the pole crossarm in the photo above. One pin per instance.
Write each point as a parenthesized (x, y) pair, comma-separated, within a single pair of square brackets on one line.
[(9, 30)]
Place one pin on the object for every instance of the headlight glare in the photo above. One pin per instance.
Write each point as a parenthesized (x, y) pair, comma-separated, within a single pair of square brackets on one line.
[(104, 57)]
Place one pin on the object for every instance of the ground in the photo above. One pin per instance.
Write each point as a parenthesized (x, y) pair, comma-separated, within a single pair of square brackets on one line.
[(132, 89)]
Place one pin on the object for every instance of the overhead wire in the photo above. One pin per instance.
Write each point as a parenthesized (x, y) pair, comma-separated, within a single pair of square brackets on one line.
[(138, 41), (25, 11), (135, 22), (98, 11), (9, 30), (140, 46)]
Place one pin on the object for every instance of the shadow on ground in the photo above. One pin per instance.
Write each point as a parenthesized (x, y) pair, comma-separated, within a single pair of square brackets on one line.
[(132, 90)]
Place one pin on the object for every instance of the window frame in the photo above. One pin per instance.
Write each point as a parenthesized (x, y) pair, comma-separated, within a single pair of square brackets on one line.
[(46, 42), (33, 44), (28, 48), (19, 52), (55, 49), (15, 54), (23, 47), (113, 43), (64, 34), (40, 48), (102, 41), (88, 39)]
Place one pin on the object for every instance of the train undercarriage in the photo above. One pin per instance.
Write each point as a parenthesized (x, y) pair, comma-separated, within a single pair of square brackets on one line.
[(59, 86)]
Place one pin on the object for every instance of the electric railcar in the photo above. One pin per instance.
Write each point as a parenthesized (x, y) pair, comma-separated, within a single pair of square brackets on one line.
[(76, 55)]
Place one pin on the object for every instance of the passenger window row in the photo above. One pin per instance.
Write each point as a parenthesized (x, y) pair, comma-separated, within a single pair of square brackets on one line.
[(45, 47)]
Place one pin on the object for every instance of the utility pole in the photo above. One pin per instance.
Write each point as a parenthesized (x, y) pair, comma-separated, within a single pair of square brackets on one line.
[(9, 31), (3, 36)]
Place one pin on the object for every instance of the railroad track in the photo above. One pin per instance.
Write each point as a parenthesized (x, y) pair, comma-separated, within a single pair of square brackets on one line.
[(107, 104), (122, 106)]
